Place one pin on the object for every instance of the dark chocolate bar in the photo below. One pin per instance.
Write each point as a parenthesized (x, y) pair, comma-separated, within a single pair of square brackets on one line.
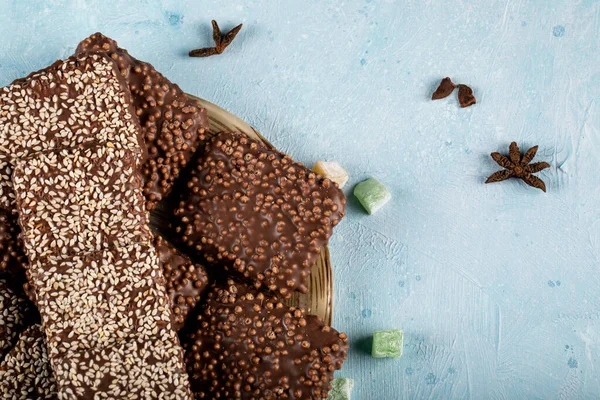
[(66, 105), (249, 345), (173, 123), (255, 211), (185, 281), (25, 373)]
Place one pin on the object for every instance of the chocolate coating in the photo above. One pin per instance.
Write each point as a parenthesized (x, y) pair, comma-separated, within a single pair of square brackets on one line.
[(173, 124), (185, 280), (251, 346), (257, 212)]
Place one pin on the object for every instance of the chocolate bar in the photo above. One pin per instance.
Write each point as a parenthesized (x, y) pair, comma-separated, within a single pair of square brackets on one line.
[(255, 211), (66, 105), (98, 284), (173, 123), (69, 104), (25, 373), (133, 369), (95, 300), (185, 281), (250, 345), (79, 200), (15, 316)]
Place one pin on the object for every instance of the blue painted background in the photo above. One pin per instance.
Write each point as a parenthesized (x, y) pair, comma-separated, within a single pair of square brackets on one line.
[(497, 287)]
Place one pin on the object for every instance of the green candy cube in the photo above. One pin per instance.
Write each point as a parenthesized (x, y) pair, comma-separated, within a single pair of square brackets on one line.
[(372, 195), (341, 388), (388, 344)]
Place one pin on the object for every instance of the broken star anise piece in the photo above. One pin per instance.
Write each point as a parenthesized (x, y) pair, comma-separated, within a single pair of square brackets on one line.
[(221, 41), (465, 96), (446, 87), (465, 93), (519, 167)]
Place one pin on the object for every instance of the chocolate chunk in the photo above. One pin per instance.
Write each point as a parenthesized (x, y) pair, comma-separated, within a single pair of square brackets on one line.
[(25, 373), (255, 211), (15, 316), (249, 345), (185, 280), (73, 201), (173, 123), (69, 104)]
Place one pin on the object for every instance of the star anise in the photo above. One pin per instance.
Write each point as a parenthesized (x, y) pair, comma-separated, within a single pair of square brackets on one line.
[(221, 41), (519, 167)]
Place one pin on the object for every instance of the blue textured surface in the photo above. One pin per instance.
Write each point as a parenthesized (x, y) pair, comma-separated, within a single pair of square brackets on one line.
[(497, 287)]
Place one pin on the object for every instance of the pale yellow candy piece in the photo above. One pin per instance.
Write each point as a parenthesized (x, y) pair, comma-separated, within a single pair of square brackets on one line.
[(332, 170)]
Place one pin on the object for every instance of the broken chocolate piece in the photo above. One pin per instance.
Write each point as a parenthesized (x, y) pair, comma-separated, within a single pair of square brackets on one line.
[(255, 211), (97, 299), (250, 345), (73, 103)]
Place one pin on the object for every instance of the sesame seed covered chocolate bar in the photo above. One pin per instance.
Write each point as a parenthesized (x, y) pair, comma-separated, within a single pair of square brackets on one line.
[(132, 369), (173, 123), (108, 325), (79, 200), (25, 373), (185, 280), (251, 346), (95, 300), (98, 282), (255, 211), (69, 104), (15, 313)]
